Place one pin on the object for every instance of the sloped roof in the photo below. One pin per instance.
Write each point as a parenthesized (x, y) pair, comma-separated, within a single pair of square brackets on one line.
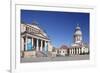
[(64, 47)]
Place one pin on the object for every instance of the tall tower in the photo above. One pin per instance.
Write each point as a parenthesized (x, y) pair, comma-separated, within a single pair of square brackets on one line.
[(78, 35)]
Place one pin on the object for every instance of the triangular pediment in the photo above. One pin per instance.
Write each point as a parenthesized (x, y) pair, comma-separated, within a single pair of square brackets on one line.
[(41, 35)]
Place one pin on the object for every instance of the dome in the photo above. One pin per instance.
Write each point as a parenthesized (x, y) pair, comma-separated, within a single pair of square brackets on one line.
[(77, 28), (78, 32), (36, 26)]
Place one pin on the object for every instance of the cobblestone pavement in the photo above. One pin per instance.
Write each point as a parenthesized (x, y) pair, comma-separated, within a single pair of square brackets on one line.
[(44, 59)]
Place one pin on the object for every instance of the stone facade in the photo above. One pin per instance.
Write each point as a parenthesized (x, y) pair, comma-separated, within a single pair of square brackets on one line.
[(34, 41), (78, 47)]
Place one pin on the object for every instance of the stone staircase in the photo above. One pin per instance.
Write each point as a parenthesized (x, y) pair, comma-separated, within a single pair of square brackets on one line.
[(49, 54), (43, 54), (40, 54)]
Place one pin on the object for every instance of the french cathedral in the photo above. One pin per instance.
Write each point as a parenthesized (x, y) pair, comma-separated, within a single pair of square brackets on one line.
[(78, 47)]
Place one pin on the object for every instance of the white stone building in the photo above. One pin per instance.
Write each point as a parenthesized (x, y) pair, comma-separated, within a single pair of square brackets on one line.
[(63, 50), (34, 41), (78, 47)]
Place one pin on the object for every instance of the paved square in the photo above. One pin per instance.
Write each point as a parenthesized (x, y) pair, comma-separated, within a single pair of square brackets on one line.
[(45, 59)]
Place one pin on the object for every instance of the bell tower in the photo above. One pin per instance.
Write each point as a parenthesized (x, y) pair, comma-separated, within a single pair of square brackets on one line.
[(78, 35)]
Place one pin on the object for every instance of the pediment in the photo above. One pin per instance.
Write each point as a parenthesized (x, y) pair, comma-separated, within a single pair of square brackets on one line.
[(41, 35)]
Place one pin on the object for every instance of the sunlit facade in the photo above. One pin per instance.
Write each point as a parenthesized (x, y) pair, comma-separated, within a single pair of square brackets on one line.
[(34, 41), (78, 47)]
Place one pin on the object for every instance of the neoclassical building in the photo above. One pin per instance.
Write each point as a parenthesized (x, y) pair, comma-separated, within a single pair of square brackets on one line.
[(78, 47), (64, 50), (34, 41)]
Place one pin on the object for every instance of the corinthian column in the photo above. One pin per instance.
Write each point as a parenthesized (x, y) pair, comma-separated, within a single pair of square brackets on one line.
[(37, 45), (25, 43), (74, 51), (79, 51), (32, 43), (41, 48), (46, 46), (22, 44)]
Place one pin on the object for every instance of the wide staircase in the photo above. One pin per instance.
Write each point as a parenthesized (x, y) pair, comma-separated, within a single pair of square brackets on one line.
[(43, 54), (40, 54)]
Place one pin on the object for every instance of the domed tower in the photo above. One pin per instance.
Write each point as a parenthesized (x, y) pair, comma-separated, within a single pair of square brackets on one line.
[(78, 35)]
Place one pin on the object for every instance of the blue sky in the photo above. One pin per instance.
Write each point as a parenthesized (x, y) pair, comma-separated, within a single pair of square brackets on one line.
[(59, 26)]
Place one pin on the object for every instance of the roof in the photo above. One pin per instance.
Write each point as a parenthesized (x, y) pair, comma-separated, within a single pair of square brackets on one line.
[(76, 46), (78, 30), (63, 47), (36, 26)]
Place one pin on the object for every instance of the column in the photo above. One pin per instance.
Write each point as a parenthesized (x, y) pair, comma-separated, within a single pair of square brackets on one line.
[(32, 44), (82, 50), (74, 51), (46, 46), (79, 51), (22, 44), (26, 43), (37, 45), (69, 51), (41, 45)]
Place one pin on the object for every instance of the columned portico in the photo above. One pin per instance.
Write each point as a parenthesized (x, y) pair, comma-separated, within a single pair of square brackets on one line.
[(42, 46), (34, 41), (75, 51)]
